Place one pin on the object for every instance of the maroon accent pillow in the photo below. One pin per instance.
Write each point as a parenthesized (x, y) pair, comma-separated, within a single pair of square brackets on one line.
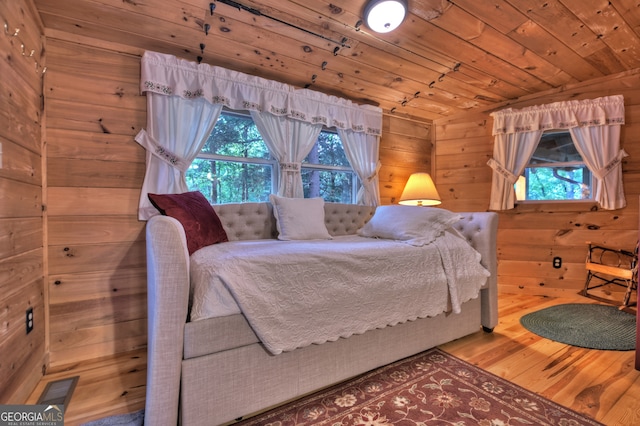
[(201, 224)]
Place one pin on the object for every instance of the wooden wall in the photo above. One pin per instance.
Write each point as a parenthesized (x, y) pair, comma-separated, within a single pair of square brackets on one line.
[(97, 280), (22, 355), (531, 235), (405, 148)]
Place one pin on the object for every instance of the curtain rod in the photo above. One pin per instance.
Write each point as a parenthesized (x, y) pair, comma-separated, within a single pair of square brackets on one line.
[(256, 12)]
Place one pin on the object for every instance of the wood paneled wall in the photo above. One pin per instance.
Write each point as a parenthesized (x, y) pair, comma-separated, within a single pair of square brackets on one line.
[(22, 355), (405, 148), (97, 275), (531, 235)]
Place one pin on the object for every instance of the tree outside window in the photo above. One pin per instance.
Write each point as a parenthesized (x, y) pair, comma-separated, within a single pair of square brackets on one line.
[(235, 166), (326, 171), (556, 171)]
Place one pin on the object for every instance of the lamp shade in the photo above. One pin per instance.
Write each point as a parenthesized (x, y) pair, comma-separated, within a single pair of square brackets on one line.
[(383, 16), (420, 191)]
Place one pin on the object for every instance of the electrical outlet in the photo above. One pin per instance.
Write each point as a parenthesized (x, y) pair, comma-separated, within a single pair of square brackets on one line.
[(29, 320)]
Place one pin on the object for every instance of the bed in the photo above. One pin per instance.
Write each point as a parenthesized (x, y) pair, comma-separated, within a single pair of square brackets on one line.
[(205, 369)]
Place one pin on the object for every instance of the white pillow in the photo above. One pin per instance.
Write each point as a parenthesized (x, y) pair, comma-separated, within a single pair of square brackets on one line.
[(299, 218), (413, 225)]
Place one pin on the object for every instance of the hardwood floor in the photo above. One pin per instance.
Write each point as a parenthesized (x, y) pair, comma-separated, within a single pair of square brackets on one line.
[(108, 386), (601, 384)]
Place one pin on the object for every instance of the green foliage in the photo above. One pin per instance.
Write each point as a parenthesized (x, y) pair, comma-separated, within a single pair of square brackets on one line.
[(230, 182), (328, 151), (556, 170), (236, 136), (233, 180), (333, 185), (554, 183), (226, 181)]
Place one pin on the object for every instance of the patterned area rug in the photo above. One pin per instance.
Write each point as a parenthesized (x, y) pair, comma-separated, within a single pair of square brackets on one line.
[(432, 388)]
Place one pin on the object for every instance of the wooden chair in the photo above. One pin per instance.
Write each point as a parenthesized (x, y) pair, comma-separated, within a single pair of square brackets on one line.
[(612, 266)]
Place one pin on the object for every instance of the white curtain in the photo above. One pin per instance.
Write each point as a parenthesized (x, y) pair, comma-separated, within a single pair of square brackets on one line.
[(599, 148), (185, 99), (177, 129), (595, 128), (169, 75), (362, 151), (511, 154), (289, 142)]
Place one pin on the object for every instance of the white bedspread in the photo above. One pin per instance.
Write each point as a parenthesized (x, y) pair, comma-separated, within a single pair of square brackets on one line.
[(297, 293)]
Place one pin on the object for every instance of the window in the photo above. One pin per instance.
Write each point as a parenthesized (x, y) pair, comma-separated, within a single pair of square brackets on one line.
[(326, 171), (555, 172), (235, 166)]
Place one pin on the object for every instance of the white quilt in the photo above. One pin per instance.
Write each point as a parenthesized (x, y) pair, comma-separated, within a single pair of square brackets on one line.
[(297, 293)]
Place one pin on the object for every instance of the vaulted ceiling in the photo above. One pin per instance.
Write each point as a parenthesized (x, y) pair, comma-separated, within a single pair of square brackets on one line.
[(446, 58)]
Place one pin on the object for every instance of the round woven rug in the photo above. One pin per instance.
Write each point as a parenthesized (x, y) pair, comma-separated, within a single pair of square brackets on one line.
[(585, 325)]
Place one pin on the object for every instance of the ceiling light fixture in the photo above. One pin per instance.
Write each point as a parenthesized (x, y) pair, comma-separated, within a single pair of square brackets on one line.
[(383, 16)]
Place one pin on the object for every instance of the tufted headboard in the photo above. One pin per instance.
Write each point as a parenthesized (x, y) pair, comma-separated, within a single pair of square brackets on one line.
[(254, 221)]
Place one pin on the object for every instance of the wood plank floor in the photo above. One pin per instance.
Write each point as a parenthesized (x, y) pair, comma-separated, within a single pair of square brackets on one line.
[(601, 384)]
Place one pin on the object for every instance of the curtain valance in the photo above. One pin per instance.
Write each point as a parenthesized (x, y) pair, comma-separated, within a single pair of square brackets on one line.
[(560, 115), (169, 75)]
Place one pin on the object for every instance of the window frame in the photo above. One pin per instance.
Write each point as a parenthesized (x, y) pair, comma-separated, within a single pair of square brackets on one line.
[(244, 160), (529, 165), (355, 182)]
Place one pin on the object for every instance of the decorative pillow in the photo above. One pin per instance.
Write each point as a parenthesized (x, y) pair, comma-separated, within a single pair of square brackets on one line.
[(299, 218), (414, 225), (201, 224)]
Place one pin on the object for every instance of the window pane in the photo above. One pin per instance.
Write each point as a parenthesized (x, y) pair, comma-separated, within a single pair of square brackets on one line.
[(333, 186), (555, 147), (232, 168), (230, 182), (327, 151), (556, 171), (236, 136), (557, 183)]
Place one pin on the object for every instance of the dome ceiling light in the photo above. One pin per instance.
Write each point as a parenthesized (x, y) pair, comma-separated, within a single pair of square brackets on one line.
[(383, 16)]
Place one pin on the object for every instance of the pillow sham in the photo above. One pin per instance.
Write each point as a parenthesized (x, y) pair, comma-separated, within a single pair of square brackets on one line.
[(201, 224), (299, 218), (413, 225)]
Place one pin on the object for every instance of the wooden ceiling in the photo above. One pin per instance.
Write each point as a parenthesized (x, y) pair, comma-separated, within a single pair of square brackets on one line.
[(447, 57)]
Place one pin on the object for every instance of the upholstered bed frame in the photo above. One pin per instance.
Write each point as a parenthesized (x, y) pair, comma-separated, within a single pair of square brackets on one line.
[(214, 371)]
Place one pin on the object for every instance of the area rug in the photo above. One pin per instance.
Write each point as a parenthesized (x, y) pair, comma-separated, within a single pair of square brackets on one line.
[(131, 419), (585, 325), (432, 388)]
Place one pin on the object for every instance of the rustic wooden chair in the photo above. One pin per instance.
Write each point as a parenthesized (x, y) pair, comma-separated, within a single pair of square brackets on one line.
[(612, 266)]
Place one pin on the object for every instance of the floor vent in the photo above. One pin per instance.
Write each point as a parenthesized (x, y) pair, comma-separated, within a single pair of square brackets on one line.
[(58, 392)]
